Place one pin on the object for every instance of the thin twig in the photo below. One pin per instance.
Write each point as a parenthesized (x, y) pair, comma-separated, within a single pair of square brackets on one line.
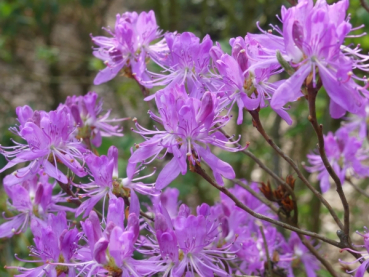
[(128, 203), (312, 92), (270, 205), (260, 128), (234, 265), (364, 5), (292, 2), (147, 216), (74, 198), (270, 172), (357, 187), (198, 169), (256, 195), (266, 251), (313, 251), (258, 161)]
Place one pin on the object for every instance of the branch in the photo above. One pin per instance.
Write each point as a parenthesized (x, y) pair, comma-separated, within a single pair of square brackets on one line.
[(260, 128), (266, 251), (258, 161), (74, 198), (256, 195), (312, 92), (313, 251), (128, 203), (275, 209), (198, 169), (364, 5), (292, 2), (357, 188)]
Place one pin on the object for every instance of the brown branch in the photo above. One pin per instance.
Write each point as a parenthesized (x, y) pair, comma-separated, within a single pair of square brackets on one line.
[(357, 188), (313, 251), (312, 93), (128, 203), (266, 251), (147, 216), (275, 209), (292, 2), (364, 5), (260, 128), (74, 198), (255, 194), (259, 162), (198, 169)]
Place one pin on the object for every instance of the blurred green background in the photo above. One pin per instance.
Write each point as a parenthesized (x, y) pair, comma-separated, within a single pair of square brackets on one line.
[(45, 55)]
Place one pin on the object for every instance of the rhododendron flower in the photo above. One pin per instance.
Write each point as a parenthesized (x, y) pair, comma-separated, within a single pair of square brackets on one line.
[(50, 139), (187, 245), (87, 114), (104, 170), (301, 253), (110, 251), (188, 123), (186, 62), (345, 154), (128, 47), (55, 244), (361, 270), (241, 82), (31, 198), (312, 43)]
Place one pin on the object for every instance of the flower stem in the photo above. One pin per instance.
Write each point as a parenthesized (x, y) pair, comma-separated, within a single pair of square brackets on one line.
[(198, 169), (318, 128), (260, 128)]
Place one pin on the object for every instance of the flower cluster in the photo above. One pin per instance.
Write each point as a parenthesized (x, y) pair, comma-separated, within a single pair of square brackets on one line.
[(219, 240), (209, 243)]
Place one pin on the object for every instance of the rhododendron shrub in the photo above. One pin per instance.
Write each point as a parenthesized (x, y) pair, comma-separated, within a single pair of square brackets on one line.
[(87, 218)]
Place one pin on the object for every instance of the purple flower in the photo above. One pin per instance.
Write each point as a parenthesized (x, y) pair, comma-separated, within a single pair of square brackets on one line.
[(256, 74), (31, 198), (50, 139), (187, 246), (87, 114), (128, 47), (104, 170), (244, 80), (361, 270), (188, 123), (252, 255), (313, 38), (301, 253), (55, 245), (169, 200), (187, 62), (234, 88), (345, 154), (110, 251), (101, 169), (358, 122), (234, 219)]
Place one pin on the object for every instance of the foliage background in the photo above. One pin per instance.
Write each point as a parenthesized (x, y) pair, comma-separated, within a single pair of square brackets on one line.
[(45, 55)]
